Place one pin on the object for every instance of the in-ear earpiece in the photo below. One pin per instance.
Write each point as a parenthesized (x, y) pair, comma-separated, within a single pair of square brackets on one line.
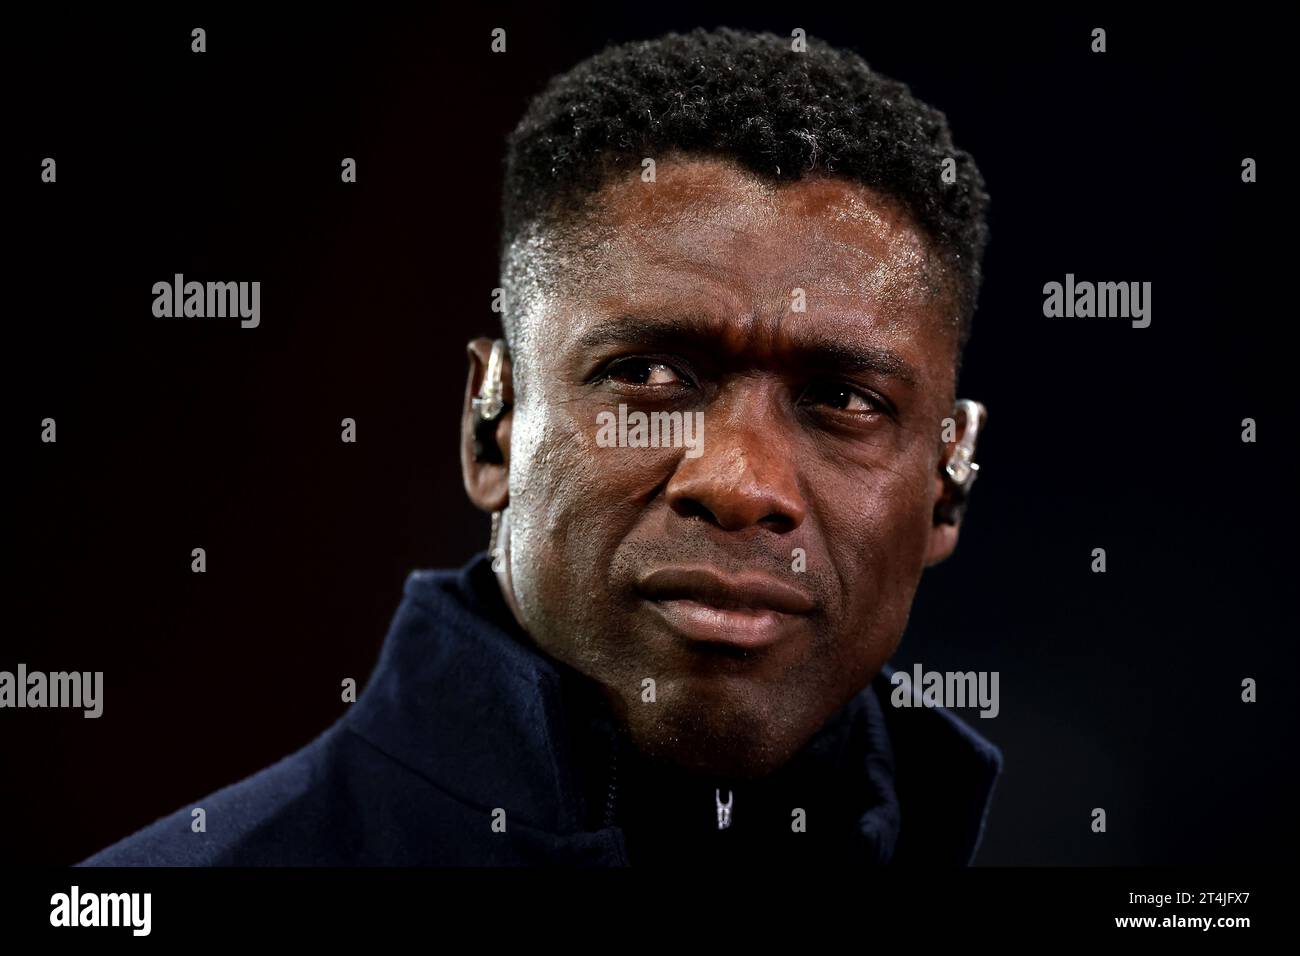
[(961, 467), (488, 406)]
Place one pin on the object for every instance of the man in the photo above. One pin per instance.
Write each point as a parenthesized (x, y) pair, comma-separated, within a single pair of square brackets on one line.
[(719, 443)]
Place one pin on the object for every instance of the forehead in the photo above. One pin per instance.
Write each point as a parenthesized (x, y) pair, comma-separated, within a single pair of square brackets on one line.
[(707, 239), (842, 236)]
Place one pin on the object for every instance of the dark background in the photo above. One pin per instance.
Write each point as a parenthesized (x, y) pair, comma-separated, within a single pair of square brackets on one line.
[(1119, 690)]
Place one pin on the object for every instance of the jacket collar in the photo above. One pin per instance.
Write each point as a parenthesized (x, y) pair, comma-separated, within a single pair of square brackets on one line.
[(462, 697), (945, 774)]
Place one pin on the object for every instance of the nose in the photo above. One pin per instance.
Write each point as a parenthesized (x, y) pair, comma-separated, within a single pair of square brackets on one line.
[(745, 475)]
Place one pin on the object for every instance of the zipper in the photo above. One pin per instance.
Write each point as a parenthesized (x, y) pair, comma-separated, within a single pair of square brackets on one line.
[(611, 792), (724, 810)]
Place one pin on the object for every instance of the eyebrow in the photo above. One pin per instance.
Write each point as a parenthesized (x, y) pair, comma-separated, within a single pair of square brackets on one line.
[(647, 331)]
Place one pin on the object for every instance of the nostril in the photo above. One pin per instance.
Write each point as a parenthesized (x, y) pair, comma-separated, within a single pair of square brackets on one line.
[(690, 508), (779, 523)]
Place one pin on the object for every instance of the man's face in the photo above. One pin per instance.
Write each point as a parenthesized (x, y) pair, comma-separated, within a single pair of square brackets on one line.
[(763, 582)]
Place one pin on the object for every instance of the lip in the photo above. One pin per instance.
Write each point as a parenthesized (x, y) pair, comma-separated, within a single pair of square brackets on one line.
[(748, 611)]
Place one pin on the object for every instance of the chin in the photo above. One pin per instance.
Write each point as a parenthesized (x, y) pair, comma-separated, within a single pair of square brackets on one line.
[(733, 745)]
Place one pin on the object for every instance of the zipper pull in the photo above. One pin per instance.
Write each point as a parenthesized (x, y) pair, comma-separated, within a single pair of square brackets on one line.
[(724, 809)]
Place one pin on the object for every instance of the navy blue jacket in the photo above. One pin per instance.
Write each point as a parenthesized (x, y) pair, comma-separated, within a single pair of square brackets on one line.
[(464, 723)]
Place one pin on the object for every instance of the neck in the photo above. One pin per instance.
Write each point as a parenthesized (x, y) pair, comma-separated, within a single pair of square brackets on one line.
[(669, 815)]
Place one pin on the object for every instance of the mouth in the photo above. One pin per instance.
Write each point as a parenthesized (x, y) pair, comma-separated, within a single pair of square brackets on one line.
[(747, 612)]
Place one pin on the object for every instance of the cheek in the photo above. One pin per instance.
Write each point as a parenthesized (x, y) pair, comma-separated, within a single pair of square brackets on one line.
[(571, 503), (547, 480), (878, 532)]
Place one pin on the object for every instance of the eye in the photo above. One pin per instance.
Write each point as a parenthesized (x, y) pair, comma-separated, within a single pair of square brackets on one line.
[(639, 371), (842, 397)]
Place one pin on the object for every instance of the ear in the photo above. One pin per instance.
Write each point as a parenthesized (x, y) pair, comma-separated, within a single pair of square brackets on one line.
[(947, 520), (485, 447), (952, 485)]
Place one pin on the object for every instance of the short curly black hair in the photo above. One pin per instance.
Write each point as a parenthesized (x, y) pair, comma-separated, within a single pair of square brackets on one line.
[(750, 98)]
